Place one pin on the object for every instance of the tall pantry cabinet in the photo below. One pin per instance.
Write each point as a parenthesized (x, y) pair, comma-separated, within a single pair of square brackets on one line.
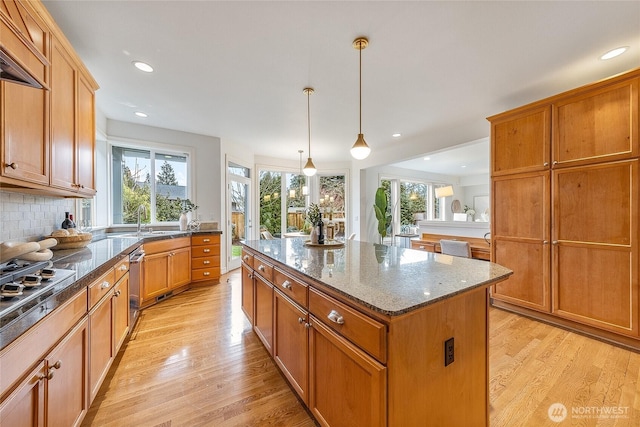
[(564, 177)]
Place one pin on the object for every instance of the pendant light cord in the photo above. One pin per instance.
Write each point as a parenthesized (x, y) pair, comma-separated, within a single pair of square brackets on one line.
[(360, 77), (309, 120)]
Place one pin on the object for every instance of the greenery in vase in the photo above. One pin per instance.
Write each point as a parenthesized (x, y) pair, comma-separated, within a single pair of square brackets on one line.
[(313, 214), (383, 213)]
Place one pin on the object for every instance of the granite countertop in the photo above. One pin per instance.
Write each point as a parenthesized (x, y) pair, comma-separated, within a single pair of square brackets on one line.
[(387, 279), (89, 263)]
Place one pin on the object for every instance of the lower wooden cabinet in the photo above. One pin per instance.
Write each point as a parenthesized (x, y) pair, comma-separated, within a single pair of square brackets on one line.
[(55, 391), (248, 297), (108, 326), (291, 342), (356, 396), (166, 266), (263, 321)]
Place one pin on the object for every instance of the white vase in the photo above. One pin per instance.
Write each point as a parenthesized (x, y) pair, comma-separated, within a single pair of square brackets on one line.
[(183, 221), (313, 236)]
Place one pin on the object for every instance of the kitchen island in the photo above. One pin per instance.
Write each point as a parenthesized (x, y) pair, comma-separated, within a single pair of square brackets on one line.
[(372, 335)]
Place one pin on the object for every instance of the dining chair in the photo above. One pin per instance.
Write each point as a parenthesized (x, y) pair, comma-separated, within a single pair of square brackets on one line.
[(455, 248), (266, 235)]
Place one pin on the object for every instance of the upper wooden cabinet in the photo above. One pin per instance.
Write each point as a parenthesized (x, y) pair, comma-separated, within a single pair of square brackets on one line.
[(596, 125), (47, 136), (72, 125), (521, 141)]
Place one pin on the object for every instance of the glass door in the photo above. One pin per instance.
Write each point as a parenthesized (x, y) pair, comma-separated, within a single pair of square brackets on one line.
[(238, 212)]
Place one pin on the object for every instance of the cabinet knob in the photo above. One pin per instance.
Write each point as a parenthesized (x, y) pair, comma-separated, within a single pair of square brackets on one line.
[(105, 285), (335, 317), (118, 292), (206, 273), (48, 376), (555, 242), (206, 240), (545, 242), (286, 285), (206, 251), (206, 262), (261, 267), (555, 162), (246, 257), (123, 268), (250, 276), (12, 165), (57, 365), (307, 325), (545, 164), (300, 320)]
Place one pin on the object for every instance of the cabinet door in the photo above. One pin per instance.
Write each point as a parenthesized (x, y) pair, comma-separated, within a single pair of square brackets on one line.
[(121, 312), (520, 234), (180, 267), (25, 134), (347, 387), (595, 245), (596, 125), (264, 312), (520, 142), (85, 146), (66, 401), (63, 135), (248, 293), (156, 275), (291, 343), (101, 343), (25, 406)]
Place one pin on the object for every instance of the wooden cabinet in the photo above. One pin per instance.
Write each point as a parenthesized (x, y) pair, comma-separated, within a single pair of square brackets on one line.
[(248, 290), (72, 124), (67, 379), (205, 258), (166, 267), (108, 327), (291, 342), (54, 393), (263, 320), (354, 396), (569, 230)]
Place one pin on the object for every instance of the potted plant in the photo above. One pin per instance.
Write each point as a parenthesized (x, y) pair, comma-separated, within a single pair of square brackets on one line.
[(382, 213), (314, 216)]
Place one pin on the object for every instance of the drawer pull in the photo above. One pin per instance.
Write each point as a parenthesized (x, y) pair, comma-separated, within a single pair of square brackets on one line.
[(421, 247), (286, 285), (105, 285), (250, 276), (246, 257), (300, 320), (117, 293), (12, 165), (123, 267), (57, 365), (207, 262), (206, 273), (261, 267), (206, 251), (336, 317), (206, 240)]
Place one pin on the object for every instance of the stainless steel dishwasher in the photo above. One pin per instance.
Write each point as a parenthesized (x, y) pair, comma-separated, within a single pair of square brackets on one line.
[(135, 279)]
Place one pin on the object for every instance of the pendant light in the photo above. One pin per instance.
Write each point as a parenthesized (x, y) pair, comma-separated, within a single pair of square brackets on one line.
[(309, 167), (305, 189), (360, 149)]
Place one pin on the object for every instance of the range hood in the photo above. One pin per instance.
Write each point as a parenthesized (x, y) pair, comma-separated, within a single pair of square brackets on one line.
[(10, 71)]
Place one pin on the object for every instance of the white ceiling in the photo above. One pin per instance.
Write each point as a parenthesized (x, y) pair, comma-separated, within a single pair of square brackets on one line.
[(433, 70)]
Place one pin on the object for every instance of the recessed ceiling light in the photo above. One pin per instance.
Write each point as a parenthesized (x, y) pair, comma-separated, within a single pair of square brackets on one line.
[(141, 114), (463, 166), (427, 158), (615, 52), (396, 135), (143, 66)]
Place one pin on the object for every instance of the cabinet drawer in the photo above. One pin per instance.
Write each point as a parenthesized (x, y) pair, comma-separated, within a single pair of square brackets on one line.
[(100, 287), (206, 262), (121, 268), (263, 268), (205, 251), (247, 258), (291, 287), (211, 273), (423, 246), (363, 331), (206, 239)]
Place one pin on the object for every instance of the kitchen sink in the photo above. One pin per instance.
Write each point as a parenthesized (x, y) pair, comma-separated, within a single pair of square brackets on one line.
[(144, 234)]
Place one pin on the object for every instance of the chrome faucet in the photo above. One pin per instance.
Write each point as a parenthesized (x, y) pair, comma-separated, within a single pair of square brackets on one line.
[(141, 209)]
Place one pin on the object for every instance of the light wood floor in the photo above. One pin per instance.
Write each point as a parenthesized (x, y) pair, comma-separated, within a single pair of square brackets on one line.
[(194, 361)]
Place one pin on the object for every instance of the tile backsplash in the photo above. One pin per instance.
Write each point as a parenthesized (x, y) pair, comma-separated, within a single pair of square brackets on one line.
[(27, 217)]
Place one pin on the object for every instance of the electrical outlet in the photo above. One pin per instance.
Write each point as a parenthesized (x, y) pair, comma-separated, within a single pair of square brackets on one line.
[(448, 352)]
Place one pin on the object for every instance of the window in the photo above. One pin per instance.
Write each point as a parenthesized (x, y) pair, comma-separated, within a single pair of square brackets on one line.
[(270, 202), (164, 198)]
